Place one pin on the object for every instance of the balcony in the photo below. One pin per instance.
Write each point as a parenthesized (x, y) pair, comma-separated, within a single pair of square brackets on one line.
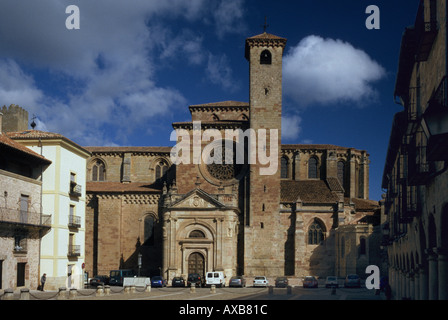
[(74, 250), (418, 167), (437, 120), (74, 221), (75, 190), (19, 217)]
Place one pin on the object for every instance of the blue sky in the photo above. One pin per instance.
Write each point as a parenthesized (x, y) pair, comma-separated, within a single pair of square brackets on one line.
[(134, 67)]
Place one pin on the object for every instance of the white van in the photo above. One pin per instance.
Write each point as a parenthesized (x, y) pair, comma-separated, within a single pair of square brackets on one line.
[(215, 278)]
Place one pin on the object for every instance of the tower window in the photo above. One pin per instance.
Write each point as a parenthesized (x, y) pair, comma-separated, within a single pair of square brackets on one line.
[(266, 57)]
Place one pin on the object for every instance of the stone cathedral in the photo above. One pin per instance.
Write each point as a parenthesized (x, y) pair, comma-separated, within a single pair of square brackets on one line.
[(312, 217)]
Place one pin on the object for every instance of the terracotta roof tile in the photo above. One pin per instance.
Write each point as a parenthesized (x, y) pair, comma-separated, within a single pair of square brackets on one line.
[(7, 141), (222, 104), (308, 191), (129, 149), (37, 134), (118, 187)]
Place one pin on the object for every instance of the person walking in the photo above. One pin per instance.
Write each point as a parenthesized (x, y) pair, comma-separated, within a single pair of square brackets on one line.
[(42, 281)]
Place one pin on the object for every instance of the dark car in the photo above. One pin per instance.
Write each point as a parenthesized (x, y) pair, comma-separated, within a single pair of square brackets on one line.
[(352, 281), (117, 276), (178, 282), (99, 280), (237, 281), (158, 281), (310, 282), (194, 278), (281, 282)]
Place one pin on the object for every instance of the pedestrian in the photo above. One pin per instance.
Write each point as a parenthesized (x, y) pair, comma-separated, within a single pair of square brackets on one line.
[(42, 281)]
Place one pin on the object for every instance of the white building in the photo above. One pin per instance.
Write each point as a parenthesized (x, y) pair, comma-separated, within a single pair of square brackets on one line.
[(63, 194)]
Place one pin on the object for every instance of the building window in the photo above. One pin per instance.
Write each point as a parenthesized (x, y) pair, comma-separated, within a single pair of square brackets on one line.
[(266, 57), (161, 170), (284, 168), (196, 234), (341, 173), (21, 266), (312, 168), (98, 171), (315, 233), (24, 204), (362, 246), (148, 232)]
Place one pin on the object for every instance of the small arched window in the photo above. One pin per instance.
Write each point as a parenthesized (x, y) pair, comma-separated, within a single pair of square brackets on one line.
[(148, 232), (284, 168), (196, 234), (161, 170), (315, 233), (266, 57), (98, 171), (312, 168)]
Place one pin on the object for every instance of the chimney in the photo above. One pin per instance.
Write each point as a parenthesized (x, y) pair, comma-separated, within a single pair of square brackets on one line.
[(1, 122)]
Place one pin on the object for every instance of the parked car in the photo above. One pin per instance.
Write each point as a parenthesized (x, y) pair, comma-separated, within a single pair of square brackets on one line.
[(352, 281), (117, 276), (310, 282), (281, 282), (196, 279), (178, 282), (331, 282), (99, 280), (158, 281), (237, 281), (215, 278), (261, 281)]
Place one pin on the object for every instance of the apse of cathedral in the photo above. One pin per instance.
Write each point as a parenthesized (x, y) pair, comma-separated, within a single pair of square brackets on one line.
[(311, 216)]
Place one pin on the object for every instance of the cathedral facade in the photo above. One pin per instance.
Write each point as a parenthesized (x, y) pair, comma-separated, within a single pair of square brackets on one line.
[(310, 216)]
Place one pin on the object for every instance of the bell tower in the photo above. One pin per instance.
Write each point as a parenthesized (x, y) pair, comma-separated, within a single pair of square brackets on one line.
[(263, 243)]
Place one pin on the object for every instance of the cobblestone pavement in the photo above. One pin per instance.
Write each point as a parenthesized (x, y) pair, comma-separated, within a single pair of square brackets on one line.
[(172, 293)]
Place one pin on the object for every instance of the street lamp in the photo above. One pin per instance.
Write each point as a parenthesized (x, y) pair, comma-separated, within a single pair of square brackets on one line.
[(139, 263)]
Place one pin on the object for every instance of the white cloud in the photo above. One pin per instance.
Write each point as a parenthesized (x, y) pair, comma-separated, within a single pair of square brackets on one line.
[(228, 17), (109, 65), (219, 72), (291, 127), (327, 71)]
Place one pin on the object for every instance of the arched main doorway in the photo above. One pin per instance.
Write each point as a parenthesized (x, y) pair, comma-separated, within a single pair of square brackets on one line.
[(196, 263)]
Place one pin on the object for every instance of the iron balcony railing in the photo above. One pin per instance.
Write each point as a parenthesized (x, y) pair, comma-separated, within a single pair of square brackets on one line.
[(74, 250), (74, 221), (24, 217)]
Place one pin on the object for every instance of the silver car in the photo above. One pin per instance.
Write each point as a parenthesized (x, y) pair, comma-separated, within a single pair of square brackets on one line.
[(260, 281), (331, 282)]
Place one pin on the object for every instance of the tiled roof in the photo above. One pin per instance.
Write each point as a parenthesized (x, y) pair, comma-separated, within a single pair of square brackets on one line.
[(118, 187), (222, 104), (314, 146), (43, 135), (6, 141), (308, 191), (364, 204), (334, 184), (266, 35), (130, 149)]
